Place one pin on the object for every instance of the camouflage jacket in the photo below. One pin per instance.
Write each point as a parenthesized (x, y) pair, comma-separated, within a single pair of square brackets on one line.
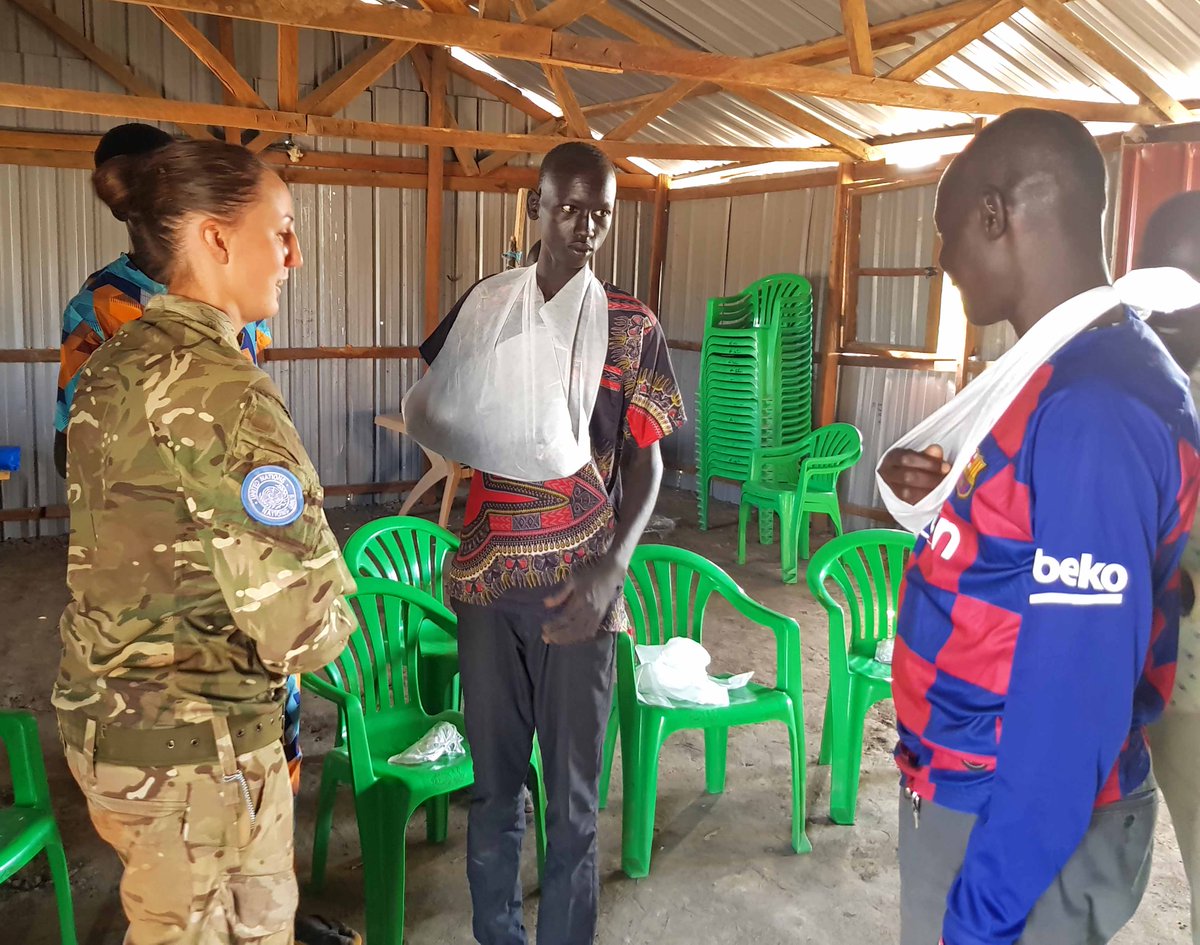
[(183, 605)]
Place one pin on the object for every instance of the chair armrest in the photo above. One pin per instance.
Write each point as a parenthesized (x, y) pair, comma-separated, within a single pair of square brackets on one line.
[(19, 732), (770, 455), (350, 709), (785, 629)]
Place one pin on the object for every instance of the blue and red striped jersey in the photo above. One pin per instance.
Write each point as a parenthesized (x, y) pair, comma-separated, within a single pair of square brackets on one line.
[(1039, 616)]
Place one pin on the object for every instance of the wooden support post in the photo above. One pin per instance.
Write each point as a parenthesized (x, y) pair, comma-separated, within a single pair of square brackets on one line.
[(289, 68), (433, 191), (658, 242), (858, 36), (834, 304)]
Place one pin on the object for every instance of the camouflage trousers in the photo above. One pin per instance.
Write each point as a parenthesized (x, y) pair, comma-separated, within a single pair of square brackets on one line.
[(208, 855)]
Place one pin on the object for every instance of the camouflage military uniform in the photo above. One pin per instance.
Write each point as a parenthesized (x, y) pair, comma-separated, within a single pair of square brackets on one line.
[(186, 617)]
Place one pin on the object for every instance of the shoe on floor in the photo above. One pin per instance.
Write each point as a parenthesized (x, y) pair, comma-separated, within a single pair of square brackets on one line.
[(317, 930)]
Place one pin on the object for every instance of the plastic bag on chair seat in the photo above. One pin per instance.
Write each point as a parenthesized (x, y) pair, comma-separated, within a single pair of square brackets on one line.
[(677, 672)]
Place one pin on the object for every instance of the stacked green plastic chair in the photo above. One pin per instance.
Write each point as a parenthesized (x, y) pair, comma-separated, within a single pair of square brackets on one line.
[(755, 377)]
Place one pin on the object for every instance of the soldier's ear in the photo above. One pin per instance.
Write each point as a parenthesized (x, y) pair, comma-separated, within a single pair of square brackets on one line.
[(212, 236), (533, 204)]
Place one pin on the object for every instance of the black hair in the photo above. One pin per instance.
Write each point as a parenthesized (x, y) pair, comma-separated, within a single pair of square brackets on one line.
[(575, 157), (130, 139)]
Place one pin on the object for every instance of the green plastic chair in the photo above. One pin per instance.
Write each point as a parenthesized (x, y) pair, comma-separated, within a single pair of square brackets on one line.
[(374, 684), (28, 826), (868, 569), (667, 592), (794, 482), (414, 551)]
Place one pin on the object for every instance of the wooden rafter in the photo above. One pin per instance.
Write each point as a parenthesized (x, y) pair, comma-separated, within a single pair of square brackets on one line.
[(764, 99), (561, 13), (884, 38), (433, 193), (225, 43), (1075, 31), (345, 85), (454, 7), (201, 46), (289, 68), (504, 91), (629, 26), (564, 95), (496, 10), (795, 115), (957, 39), (105, 62), (858, 36), (498, 159), (424, 67), (537, 44), (71, 101), (655, 106)]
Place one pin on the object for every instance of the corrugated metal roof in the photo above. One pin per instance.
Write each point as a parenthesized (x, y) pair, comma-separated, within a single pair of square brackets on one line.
[(1020, 56)]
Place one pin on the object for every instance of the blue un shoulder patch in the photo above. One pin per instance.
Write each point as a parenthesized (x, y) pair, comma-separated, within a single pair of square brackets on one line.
[(272, 495)]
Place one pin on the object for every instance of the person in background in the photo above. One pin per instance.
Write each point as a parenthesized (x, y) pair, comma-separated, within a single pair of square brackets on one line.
[(537, 579), (1036, 632), (1173, 239), (201, 568), (118, 293)]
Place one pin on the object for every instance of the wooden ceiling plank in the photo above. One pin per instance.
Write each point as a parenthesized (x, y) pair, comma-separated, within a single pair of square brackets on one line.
[(858, 36), (934, 54)]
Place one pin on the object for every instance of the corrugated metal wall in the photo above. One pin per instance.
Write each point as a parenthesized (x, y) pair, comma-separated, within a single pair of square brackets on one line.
[(719, 246), (363, 278)]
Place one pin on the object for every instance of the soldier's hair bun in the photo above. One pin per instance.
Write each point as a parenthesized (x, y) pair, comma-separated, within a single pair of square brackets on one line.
[(154, 193)]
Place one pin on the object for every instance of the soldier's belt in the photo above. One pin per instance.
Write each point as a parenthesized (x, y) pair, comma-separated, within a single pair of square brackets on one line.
[(162, 747)]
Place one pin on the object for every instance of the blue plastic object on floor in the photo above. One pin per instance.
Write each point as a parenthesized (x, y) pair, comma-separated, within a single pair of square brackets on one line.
[(10, 458)]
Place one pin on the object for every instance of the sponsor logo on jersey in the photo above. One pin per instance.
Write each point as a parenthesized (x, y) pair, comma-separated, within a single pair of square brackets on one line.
[(1083, 581)]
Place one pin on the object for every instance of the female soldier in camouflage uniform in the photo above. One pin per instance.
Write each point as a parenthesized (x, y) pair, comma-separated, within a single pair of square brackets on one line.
[(201, 568)]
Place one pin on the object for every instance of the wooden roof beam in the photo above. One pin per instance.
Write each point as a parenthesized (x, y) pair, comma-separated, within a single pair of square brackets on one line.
[(202, 48), (655, 107), (105, 62), (795, 115), (498, 159), (537, 44), (504, 91), (858, 36), (957, 39), (1093, 45), (72, 101)]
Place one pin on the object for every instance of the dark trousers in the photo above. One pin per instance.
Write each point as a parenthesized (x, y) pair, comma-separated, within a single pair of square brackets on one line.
[(514, 684), (1096, 893)]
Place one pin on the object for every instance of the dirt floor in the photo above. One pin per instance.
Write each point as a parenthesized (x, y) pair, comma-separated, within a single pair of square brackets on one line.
[(722, 872)]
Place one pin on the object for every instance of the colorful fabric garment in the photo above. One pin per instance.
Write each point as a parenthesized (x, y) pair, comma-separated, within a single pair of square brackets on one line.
[(1039, 618), (291, 732), (110, 298), (192, 596), (521, 535)]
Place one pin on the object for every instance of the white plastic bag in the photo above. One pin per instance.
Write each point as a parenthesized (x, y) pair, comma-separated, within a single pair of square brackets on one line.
[(677, 672), (512, 390)]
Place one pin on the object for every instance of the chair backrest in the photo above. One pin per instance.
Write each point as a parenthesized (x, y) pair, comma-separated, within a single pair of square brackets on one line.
[(402, 548), (18, 732), (841, 444), (779, 294), (379, 664), (667, 590), (868, 567)]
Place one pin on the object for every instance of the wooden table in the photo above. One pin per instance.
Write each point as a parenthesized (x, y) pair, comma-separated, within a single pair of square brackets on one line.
[(439, 468)]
